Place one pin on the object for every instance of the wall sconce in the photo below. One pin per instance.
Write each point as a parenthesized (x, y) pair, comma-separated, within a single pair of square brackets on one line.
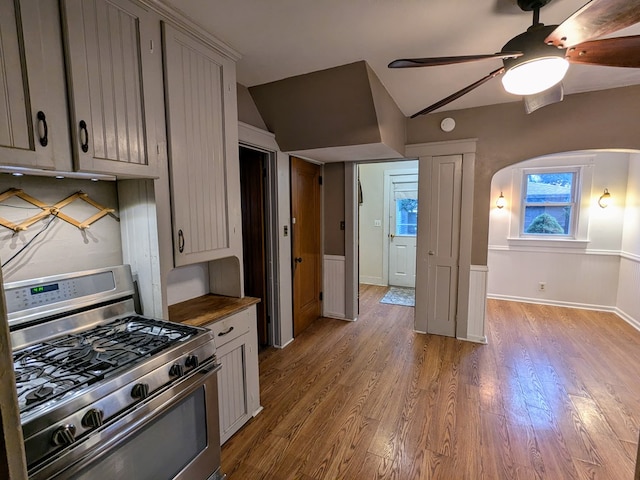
[(501, 202), (604, 199)]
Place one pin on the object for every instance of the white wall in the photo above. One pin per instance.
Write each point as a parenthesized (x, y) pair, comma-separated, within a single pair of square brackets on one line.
[(589, 275), (62, 247), (372, 239), (628, 300)]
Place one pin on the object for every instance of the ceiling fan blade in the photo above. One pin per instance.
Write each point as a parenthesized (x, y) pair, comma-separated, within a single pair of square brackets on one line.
[(611, 52), (595, 19), (436, 61), (459, 93)]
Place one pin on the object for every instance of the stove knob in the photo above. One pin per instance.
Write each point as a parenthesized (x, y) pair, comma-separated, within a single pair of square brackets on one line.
[(140, 391), (192, 361), (176, 370), (64, 435), (93, 418)]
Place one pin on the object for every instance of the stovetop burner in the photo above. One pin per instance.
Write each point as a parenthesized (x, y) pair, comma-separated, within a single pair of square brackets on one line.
[(49, 369)]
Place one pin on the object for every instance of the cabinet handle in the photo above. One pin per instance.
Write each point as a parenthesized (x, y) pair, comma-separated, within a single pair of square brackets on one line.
[(180, 241), (227, 331), (42, 120), (84, 136)]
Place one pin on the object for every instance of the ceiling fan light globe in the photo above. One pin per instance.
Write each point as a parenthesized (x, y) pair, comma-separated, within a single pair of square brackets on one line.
[(535, 76)]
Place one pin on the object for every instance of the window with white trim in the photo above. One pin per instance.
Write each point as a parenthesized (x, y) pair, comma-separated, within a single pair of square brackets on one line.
[(551, 199), (549, 202)]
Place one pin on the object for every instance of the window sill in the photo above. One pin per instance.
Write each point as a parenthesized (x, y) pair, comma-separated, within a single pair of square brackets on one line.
[(548, 242)]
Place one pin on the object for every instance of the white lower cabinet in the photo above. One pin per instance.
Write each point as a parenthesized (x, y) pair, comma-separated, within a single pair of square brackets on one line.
[(238, 382)]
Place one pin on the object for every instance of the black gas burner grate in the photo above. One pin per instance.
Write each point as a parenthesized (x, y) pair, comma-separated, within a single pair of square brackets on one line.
[(48, 370)]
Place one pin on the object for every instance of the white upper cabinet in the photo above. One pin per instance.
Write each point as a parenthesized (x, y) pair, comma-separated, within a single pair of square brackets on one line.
[(203, 149), (114, 66), (34, 128)]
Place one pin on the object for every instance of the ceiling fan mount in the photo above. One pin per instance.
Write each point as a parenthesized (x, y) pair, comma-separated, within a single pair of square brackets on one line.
[(529, 5), (537, 60)]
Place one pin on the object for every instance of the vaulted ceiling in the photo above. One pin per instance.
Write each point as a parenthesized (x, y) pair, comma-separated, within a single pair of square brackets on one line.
[(282, 38)]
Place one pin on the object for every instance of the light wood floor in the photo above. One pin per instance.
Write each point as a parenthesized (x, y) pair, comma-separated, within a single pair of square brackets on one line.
[(554, 395)]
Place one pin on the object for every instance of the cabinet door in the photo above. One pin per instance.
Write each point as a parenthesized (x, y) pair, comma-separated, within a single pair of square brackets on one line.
[(34, 131), (232, 388), (238, 380), (203, 149), (113, 59)]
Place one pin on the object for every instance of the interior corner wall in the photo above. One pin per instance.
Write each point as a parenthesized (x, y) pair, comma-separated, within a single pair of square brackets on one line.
[(391, 120), (247, 109), (506, 135)]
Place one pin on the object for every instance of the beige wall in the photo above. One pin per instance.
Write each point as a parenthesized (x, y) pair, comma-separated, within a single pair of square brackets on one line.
[(333, 193), (607, 119), (247, 110)]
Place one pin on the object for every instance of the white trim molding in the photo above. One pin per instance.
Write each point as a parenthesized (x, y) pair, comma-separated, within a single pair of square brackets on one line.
[(251, 136)]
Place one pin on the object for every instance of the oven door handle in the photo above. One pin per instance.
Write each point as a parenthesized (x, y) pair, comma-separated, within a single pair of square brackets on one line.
[(213, 367)]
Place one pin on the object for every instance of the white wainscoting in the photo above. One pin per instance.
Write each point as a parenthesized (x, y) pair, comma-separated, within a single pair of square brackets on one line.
[(573, 278), (477, 304), (628, 301), (333, 303), (601, 280)]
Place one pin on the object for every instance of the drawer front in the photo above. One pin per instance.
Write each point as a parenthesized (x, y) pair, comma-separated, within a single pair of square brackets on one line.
[(231, 327)]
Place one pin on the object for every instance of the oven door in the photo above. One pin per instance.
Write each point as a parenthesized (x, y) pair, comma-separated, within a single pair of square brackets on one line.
[(174, 435)]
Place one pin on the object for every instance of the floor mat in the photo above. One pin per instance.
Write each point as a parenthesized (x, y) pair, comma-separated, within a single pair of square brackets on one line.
[(400, 296)]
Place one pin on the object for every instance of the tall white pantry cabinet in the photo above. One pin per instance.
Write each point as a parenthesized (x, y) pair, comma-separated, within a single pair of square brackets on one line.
[(202, 120)]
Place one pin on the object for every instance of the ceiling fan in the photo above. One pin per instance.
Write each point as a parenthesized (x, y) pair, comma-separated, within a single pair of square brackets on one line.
[(535, 61)]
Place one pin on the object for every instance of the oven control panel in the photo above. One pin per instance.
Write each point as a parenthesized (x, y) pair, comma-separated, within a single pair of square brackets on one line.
[(40, 294), (38, 298)]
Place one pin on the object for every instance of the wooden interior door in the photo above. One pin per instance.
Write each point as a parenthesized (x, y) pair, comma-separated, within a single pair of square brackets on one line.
[(252, 167), (306, 243)]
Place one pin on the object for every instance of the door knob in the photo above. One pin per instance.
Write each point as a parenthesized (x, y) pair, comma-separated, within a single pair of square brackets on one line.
[(392, 235), (431, 252), (298, 259)]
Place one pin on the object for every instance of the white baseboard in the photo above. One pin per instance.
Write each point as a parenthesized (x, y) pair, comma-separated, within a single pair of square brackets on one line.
[(283, 346), (341, 318), (629, 319), (583, 306), (373, 281), (475, 339), (556, 303)]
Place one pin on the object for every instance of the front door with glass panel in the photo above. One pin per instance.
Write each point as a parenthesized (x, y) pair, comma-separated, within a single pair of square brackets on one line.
[(403, 227)]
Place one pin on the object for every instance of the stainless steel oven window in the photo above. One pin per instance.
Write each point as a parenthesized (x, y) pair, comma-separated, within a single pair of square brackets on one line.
[(160, 450)]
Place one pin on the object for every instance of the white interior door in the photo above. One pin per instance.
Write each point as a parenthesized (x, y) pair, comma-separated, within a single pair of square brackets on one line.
[(443, 240), (403, 227)]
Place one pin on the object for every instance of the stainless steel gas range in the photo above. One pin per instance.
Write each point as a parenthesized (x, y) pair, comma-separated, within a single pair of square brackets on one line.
[(106, 393)]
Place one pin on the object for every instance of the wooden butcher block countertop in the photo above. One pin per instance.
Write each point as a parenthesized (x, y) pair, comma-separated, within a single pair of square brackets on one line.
[(207, 309)]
